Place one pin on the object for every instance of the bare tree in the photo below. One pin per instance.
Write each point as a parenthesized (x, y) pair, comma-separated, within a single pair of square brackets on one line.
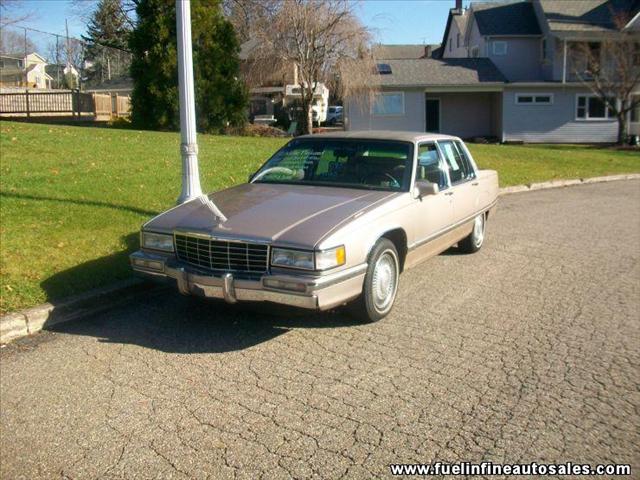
[(14, 42), (247, 16), (611, 70), (321, 39), (5, 13)]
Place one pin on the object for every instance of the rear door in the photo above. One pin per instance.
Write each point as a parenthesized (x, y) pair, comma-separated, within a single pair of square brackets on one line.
[(464, 184)]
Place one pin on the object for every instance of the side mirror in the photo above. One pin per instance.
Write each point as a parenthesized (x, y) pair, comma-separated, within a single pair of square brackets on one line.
[(424, 188)]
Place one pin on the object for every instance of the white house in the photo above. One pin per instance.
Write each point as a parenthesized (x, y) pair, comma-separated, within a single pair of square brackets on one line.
[(24, 71)]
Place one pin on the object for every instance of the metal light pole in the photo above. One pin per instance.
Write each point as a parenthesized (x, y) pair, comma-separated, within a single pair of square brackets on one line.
[(188, 147)]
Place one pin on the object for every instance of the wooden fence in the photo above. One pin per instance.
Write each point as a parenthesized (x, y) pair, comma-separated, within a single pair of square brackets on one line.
[(79, 105)]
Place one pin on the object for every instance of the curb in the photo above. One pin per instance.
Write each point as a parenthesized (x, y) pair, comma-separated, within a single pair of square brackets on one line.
[(32, 320), (566, 183)]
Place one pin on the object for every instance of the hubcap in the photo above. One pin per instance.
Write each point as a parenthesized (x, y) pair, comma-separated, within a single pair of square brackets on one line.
[(385, 280), (478, 230)]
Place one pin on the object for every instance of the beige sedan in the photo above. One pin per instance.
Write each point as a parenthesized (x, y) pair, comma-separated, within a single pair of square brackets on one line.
[(328, 220)]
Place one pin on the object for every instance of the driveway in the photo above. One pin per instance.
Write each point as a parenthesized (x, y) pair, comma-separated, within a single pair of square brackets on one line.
[(526, 351)]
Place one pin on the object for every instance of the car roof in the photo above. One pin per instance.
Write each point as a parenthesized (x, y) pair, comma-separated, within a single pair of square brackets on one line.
[(382, 135)]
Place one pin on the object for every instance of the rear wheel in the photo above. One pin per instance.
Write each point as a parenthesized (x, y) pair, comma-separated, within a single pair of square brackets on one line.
[(473, 242), (380, 283)]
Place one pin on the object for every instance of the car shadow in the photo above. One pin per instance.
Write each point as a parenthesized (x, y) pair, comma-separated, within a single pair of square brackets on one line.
[(453, 251), (61, 286), (164, 320)]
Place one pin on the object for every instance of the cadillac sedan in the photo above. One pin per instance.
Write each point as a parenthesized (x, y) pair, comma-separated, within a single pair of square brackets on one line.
[(328, 220)]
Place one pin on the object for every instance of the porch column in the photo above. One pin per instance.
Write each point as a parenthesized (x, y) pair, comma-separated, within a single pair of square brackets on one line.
[(188, 147)]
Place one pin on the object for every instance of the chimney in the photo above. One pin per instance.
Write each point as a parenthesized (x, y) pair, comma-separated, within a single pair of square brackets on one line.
[(459, 5)]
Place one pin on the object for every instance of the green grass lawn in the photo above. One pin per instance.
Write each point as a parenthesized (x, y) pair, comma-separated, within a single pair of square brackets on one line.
[(73, 198)]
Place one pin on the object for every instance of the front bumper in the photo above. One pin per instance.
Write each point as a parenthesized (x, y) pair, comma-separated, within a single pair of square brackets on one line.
[(315, 292)]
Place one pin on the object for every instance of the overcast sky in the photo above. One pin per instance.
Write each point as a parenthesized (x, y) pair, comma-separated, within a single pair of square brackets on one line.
[(393, 21)]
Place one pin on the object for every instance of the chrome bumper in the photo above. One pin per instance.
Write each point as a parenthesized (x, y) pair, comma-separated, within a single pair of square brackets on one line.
[(318, 293)]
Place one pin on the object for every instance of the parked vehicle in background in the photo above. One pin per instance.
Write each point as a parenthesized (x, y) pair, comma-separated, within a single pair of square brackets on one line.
[(328, 220), (334, 115)]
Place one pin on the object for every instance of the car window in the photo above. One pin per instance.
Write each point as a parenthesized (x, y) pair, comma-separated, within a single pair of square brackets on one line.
[(460, 168), (355, 163), (429, 165)]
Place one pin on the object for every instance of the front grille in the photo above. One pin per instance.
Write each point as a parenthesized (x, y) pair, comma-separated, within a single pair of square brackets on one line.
[(209, 254)]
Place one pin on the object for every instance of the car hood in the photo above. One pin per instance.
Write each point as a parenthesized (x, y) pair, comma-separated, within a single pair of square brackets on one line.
[(293, 215)]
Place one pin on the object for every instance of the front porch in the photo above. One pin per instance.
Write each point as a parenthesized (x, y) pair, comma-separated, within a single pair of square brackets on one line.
[(464, 114)]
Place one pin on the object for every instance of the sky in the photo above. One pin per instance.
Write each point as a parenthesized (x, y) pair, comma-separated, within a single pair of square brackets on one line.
[(392, 21)]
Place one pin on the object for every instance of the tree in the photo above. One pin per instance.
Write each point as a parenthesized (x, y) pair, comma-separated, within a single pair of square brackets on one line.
[(322, 39), (611, 70), (221, 98), (13, 42), (245, 15), (107, 35), (5, 12)]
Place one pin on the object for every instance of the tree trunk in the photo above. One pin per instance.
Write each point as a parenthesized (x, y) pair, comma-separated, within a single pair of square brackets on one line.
[(309, 118), (622, 128)]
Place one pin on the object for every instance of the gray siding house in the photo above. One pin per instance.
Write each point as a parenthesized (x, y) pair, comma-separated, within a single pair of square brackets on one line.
[(507, 70)]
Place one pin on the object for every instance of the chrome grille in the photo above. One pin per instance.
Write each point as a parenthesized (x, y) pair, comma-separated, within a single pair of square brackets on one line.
[(212, 254)]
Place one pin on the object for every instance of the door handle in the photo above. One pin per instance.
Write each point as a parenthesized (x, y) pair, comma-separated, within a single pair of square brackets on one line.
[(448, 193), (475, 184)]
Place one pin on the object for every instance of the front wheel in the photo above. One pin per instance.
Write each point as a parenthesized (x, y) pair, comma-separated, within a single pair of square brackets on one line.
[(473, 242), (380, 283)]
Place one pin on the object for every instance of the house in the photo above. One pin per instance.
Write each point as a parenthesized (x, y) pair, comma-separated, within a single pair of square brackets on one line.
[(508, 70), (24, 71), (63, 76), (272, 91)]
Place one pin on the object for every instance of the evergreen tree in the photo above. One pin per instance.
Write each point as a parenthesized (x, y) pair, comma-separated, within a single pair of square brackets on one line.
[(107, 35), (220, 96)]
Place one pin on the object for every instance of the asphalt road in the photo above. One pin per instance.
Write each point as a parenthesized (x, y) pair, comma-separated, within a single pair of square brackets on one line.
[(526, 351)]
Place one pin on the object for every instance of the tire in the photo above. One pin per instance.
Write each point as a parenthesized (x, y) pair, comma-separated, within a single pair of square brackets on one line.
[(380, 284), (473, 242)]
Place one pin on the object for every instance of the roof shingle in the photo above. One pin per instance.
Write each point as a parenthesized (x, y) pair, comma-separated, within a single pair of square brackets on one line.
[(401, 52), (517, 18), (586, 15), (445, 72)]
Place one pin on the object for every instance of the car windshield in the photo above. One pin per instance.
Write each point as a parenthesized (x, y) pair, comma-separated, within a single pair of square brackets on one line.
[(353, 163)]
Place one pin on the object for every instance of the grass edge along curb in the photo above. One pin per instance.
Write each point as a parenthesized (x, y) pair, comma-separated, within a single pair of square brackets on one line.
[(31, 320)]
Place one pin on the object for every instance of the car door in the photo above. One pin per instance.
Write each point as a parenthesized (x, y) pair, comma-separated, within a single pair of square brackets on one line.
[(464, 193), (433, 212)]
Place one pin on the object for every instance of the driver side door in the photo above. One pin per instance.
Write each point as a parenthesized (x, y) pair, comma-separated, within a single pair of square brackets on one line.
[(432, 213)]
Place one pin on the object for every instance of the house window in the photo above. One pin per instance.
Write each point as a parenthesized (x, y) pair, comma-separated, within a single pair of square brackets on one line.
[(389, 103), (500, 48), (458, 40), (475, 51), (534, 99), (591, 107), (544, 49)]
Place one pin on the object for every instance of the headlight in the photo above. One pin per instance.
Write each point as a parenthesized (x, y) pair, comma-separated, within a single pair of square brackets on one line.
[(157, 241), (292, 258), (333, 257)]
